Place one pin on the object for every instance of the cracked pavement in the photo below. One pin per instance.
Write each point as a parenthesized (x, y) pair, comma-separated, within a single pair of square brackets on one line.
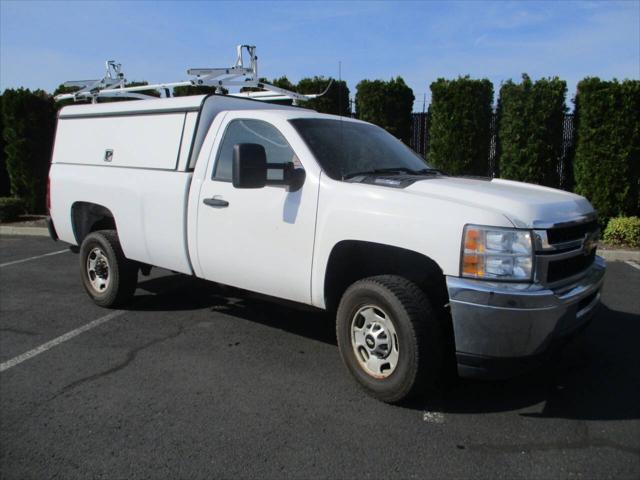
[(196, 380)]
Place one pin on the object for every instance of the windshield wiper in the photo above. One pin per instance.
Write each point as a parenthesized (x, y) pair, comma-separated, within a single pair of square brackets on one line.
[(428, 171), (378, 171)]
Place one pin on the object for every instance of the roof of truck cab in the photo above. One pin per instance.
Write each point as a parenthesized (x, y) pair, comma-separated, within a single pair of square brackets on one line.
[(191, 103), (292, 113)]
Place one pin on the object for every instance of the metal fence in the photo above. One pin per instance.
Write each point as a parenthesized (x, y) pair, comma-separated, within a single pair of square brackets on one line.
[(420, 143)]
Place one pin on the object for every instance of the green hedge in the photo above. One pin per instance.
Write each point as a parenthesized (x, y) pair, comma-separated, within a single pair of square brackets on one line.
[(335, 101), (530, 129), (459, 133), (11, 208), (623, 231), (4, 175), (283, 82), (387, 104), (29, 124), (607, 161)]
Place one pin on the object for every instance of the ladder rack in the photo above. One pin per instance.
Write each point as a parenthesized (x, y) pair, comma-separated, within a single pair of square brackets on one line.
[(113, 83)]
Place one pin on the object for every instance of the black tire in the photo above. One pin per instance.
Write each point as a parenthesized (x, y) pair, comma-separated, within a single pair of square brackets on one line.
[(418, 330), (122, 273)]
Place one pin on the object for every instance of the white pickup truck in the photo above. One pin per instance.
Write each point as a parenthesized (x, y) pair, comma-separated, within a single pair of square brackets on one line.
[(419, 267)]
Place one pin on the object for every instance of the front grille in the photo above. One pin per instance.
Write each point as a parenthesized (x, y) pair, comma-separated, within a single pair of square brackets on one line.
[(568, 234), (569, 267)]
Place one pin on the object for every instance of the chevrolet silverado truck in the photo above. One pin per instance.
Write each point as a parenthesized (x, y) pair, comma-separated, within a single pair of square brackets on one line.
[(421, 269)]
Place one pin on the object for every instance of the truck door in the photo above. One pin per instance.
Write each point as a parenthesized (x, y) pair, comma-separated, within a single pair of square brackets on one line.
[(256, 239)]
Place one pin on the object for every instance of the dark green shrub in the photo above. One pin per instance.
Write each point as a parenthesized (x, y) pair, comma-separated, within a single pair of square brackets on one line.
[(29, 123), (4, 175), (623, 231), (459, 133), (335, 101), (11, 208), (607, 161), (530, 127), (283, 82), (387, 104)]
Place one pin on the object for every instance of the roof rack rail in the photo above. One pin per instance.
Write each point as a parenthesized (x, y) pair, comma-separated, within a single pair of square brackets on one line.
[(113, 83)]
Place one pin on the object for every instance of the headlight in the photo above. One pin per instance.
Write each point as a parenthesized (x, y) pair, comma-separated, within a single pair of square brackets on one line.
[(496, 253)]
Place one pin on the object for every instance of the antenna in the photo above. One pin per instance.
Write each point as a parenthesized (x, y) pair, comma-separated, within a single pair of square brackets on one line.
[(340, 89), (113, 83), (341, 139)]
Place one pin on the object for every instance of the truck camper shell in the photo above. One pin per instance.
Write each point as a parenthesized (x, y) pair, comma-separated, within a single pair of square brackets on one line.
[(161, 134)]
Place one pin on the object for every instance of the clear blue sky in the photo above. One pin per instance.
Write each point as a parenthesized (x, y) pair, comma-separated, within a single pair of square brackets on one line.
[(43, 44)]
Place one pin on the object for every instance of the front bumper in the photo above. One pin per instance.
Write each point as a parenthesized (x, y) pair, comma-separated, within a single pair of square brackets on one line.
[(502, 329)]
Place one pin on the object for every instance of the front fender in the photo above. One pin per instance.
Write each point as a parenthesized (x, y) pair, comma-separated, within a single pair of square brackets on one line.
[(395, 217)]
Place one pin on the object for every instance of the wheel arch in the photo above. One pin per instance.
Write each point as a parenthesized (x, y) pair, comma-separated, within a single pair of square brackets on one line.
[(87, 217), (353, 260)]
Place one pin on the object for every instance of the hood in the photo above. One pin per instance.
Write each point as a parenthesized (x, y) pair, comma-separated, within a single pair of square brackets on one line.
[(524, 204)]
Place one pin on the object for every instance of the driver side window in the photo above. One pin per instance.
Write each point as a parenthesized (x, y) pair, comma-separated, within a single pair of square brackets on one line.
[(252, 131)]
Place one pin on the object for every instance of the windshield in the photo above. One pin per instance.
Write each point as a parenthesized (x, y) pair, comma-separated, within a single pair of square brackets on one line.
[(344, 148)]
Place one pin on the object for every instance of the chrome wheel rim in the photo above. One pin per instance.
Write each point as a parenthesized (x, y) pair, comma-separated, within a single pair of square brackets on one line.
[(375, 341), (98, 271)]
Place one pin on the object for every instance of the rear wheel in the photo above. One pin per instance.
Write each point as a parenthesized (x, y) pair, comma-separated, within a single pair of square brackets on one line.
[(389, 337), (107, 275)]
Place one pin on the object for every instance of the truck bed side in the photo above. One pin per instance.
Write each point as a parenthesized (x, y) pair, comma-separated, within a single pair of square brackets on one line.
[(135, 167)]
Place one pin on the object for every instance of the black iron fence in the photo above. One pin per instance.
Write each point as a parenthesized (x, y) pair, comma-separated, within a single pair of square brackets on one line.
[(420, 143)]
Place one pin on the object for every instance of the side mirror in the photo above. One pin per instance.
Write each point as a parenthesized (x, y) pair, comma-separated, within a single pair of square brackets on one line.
[(249, 168), (294, 177)]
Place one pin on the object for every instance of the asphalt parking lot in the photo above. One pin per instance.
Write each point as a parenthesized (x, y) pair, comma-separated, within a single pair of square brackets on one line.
[(197, 381)]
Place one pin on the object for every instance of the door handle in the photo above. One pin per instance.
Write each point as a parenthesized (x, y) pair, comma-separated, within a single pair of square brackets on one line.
[(215, 202)]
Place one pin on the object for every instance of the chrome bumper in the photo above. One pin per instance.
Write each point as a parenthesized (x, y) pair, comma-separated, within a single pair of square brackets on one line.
[(511, 321)]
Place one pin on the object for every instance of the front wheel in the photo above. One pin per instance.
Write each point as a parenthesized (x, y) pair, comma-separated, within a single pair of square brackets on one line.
[(389, 337), (107, 275)]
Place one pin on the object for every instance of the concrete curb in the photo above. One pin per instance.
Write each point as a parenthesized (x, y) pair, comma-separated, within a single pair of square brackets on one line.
[(620, 255), (608, 255), (31, 231)]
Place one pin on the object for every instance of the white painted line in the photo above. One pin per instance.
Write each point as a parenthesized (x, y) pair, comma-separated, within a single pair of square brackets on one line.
[(633, 264), (33, 258), (432, 417), (57, 341)]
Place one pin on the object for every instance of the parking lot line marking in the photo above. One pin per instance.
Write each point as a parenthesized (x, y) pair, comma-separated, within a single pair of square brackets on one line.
[(33, 258), (57, 341), (633, 264)]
